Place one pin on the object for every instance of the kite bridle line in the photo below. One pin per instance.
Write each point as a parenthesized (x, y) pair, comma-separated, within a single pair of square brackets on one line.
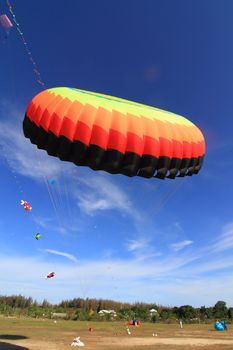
[(46, 183), (168, 195), (67, 199)]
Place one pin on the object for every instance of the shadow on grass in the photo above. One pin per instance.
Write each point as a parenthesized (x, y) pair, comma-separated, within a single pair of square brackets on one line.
[(12, 337), (8, 346)]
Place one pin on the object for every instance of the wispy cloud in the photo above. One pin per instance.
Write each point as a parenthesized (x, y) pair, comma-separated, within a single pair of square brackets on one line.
[(141, 248), (178, 226), (225, 239), (101, 194), (42, 221), (212, 265), (66, 255), (23, 157), (133, 245), (107, 253), (65, 225), (120, 279), (180, 245)]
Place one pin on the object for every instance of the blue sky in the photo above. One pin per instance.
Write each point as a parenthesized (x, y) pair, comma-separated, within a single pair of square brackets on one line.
[(109, 236)]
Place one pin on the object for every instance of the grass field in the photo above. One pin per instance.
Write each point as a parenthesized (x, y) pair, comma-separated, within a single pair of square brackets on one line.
[(32, 334)]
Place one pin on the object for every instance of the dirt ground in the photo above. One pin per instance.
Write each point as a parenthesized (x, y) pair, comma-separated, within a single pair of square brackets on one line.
[(28, 334)]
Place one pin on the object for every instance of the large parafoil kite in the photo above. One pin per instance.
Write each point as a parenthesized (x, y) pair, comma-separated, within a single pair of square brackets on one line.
[(112, 134)]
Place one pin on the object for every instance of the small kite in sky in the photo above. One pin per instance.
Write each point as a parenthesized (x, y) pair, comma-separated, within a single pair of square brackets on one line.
[(38, 236), (26, 205), (50, 275), (52, 181), (6, 23)]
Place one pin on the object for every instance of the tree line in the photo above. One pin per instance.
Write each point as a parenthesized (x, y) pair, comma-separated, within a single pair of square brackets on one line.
[(88, 309)]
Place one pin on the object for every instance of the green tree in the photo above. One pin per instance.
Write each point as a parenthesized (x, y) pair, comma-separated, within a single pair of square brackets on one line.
[(203, 313), (230, 313), (155, 318), (125, 314), (167, 314), (220, 309), (140, 312), (186, 312), (210, 313)]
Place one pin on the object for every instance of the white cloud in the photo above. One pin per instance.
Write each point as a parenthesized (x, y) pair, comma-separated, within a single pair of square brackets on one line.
[(66, 255), (65, 225), (211, 265), (180, 245), (158, 281), (23, 157), (141, 248), (133, 245), (107, 253), (42, 221), (225, 239), (178, 226), (100, 193)]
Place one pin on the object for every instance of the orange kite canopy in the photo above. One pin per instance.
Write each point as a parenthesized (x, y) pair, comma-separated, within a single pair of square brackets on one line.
[(112, 134)]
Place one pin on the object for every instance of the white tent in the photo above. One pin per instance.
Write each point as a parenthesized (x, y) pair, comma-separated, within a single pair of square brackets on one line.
[(104, 312), (153, 312)]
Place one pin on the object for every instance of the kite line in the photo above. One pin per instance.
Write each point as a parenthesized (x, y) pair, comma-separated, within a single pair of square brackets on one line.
[(28, 51)]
